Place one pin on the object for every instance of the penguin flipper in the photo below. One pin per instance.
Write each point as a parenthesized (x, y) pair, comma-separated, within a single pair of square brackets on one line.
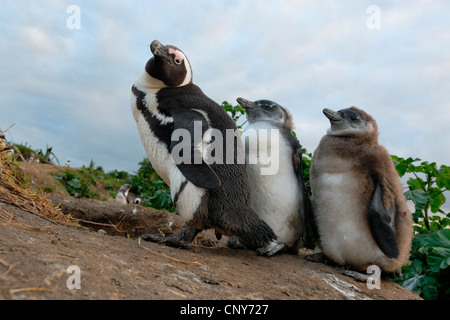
[(195, 169), (382, 224)]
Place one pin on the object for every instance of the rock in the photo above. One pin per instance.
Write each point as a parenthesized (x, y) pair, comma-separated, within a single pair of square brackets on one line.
[(144, 270)]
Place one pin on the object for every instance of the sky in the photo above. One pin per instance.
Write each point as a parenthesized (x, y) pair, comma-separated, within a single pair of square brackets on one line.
[(66, 75)]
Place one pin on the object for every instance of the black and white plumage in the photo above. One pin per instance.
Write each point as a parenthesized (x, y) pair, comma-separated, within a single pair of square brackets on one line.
[(135, 204), (279, 197), (122, 194), (213, 195), (357, 198)]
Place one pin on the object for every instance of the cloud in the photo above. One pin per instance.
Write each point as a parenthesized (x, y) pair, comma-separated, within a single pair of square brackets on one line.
[(70, 89)]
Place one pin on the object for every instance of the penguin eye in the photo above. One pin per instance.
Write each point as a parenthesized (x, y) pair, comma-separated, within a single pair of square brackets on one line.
[(354, 116), (177, 56)]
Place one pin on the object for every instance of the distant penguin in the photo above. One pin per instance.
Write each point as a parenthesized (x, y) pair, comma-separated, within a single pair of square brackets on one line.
[(122, 194), (67, 165), (135, 204), (280, 198), (133, 221), (358, 203), (207, 194)]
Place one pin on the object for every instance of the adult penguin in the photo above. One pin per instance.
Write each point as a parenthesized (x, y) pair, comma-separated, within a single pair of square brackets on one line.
[(358, 203), (182, 130), (122, 194)]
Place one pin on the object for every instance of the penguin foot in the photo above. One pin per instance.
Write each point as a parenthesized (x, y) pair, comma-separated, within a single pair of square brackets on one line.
[(397, 274), (358, 276), (319, 258), (181, 240), (271, 249), (362, 277), (171, 242)]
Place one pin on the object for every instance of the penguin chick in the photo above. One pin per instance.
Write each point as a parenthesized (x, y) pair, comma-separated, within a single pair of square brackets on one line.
[(122, 194), (357, 198), (279, 197), (207, 194)]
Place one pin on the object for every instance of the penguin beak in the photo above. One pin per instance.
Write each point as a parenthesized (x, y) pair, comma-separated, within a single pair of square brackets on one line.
[(332, 115), (159, 50), (245, 103)]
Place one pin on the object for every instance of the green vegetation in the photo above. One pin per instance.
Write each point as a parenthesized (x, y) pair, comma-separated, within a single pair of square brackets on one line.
[(235, 112), (429, 271), (28, 153), (151, 189), (81, 183), (426, 189), (77, 184)]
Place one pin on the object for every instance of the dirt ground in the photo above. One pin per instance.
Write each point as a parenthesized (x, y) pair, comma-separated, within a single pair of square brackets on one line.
[(37, 255)]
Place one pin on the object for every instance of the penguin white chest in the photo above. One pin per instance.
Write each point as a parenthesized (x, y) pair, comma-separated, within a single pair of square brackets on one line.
[(157, 151), (275, 196), (155, 132), (341, 213)]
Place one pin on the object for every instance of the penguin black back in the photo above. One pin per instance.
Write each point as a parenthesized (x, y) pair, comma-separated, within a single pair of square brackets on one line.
[(228, 205)]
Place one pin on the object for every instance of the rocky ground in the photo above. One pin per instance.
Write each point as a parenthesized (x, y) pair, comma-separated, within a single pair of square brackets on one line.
[(41, 259)]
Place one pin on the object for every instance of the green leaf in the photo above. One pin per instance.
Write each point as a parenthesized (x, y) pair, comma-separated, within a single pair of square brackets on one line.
[(437, 201), (401, 169), (438, 258), (443, 178), (439, 238), (417, 266), (430, 291), (435, 245), (416, 184), (419, 197), (74, 183), (404, 165)]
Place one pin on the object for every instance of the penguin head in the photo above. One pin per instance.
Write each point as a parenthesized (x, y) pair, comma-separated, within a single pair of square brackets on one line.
[(266, 110), (125, 188), (351, 122), (169, 65)]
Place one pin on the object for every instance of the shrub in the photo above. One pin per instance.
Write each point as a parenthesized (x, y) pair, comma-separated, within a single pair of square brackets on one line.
[(150, 188), (429, 271), (77, 185)]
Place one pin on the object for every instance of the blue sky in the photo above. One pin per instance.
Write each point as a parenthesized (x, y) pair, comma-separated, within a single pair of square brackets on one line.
[(70, 89)]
